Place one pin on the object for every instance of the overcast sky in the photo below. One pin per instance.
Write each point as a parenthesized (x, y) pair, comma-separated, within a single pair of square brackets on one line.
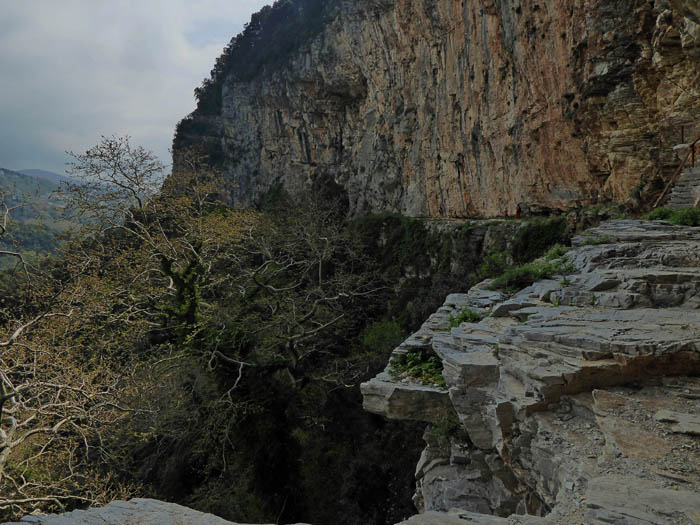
[(73, 70)]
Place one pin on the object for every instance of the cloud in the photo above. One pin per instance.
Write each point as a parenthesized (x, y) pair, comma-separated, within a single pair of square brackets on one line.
[(73, 70)]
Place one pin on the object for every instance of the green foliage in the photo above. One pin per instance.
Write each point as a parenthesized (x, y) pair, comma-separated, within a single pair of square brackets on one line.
[(38, 223), (182, 313), (659, 214), (537, 235), (272, 35), (686, 217), (382, 336), (555, 252), (593, 241), (420, 366), (406, 243), (446, 429), (466, 316), (524, 275), (494, 264), (682, 217)]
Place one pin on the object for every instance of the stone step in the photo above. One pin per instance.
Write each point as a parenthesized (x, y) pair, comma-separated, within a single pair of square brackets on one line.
[(683, 195), (682, 200)]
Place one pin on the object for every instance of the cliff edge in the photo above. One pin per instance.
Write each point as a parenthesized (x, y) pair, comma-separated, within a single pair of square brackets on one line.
[(574, 400)]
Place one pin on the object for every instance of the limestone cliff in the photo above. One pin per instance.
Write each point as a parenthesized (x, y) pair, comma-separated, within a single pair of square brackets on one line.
[(458, 107)]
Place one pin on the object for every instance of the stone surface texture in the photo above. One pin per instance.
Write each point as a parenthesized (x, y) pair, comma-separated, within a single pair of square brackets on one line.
[(458, 108), (578, 401), (686, 191), (133, 512)]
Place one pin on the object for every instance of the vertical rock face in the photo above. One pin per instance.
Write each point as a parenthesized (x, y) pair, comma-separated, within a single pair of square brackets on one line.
[(457, 107)]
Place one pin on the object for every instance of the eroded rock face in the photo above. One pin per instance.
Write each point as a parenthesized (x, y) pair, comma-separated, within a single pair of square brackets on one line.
[(462, 108), (577, 394)]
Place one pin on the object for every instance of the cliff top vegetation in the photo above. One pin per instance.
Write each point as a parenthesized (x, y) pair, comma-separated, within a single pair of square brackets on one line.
[(271, 35)]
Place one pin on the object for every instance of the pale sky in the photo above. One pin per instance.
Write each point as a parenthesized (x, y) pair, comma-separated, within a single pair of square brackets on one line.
[(73, 70)]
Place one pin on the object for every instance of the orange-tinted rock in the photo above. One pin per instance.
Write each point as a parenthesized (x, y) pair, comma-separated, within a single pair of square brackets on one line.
[(454, 108)]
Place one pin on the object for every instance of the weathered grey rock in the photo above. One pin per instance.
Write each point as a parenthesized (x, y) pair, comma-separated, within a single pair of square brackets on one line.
[(460, 517), (627, 500), (413, 402), (682, 423), (134, 512), (541, 391)]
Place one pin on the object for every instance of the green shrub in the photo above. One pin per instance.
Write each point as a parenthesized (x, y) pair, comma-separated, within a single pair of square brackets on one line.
[(593, 241), (524, 275), (466, 316), (382, 336), (447, 428), (686, 217), (536, 236), (682, 217), (494, 264), (422, 367), (659, 214), (555, 252)]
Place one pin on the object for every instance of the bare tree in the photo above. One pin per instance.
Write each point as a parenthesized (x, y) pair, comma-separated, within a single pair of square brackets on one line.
[(55, 402), (299, 273)]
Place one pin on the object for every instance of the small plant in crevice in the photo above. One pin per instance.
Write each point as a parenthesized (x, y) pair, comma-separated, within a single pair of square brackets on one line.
[(446, 429), (494, 264), (422, 367), (466, 316)]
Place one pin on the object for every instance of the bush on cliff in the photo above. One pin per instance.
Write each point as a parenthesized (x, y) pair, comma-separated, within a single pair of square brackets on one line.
[(536, 236), (522, 276), (682, 217)]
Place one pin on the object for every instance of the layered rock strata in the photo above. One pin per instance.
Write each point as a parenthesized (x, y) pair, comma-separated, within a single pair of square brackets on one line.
[(460, 108), (578, 398)]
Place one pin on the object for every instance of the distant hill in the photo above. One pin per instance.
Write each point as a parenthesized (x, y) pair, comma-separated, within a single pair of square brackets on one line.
[(18, 185), (48, 175), (36, 227)]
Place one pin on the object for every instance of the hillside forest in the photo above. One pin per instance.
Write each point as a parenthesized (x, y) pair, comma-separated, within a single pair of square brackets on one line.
[(175, 346)]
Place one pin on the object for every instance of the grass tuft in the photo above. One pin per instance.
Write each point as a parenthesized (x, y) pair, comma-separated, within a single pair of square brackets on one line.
[(422, 367), (682, 217)]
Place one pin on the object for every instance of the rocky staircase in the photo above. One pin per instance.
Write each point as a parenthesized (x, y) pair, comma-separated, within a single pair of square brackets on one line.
[(684, 185), (686, 192)]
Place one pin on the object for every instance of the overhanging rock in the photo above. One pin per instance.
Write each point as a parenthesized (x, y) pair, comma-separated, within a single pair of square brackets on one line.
[(577, 397)]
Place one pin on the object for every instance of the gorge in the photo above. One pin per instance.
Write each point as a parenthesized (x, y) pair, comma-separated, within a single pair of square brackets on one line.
[(401, 273)]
